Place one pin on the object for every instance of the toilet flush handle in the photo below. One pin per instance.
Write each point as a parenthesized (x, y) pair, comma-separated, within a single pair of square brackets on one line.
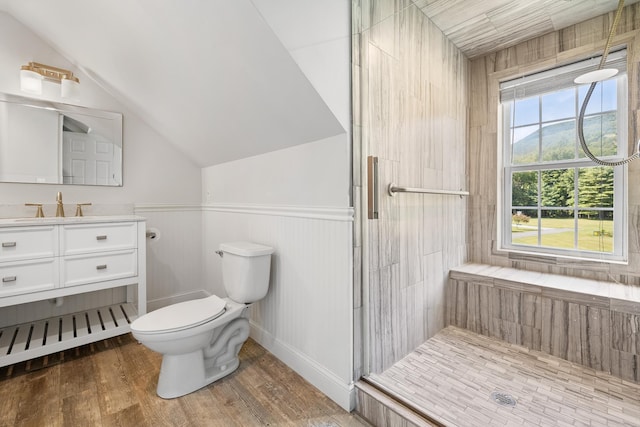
[(220, 253)]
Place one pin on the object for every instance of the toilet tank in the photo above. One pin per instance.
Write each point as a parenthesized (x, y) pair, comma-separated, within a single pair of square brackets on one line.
[(245, 270)]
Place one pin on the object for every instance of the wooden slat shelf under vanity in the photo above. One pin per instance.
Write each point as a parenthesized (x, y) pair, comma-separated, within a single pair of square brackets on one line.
[(34, 339), (52, 258)]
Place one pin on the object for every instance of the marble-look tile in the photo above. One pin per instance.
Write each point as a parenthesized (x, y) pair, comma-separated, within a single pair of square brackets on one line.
[(410, 217), (576, 297), (413, 109), (451, 303), (358, 362), (625, 306), (586, 334), (384, 35), (557, 47), (625, 365), (357, 277), (595, 336), (359, 216), (531, 310), (451, 376), (506, 305), (625, 333), (530, 337)]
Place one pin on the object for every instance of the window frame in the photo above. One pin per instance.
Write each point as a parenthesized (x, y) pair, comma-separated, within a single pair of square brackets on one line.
[(506, 170)]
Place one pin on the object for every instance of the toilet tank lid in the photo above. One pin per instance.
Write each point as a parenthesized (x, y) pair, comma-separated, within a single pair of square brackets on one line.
[(246, 249)]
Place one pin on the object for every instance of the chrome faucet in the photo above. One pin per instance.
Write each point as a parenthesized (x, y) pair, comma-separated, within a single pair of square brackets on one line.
[(60, 208)]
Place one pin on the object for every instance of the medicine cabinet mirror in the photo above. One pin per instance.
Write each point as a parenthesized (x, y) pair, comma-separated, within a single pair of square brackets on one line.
[(45, 142)]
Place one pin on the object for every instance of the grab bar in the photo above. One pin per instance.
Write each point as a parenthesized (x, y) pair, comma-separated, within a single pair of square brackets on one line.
[(392, 189)]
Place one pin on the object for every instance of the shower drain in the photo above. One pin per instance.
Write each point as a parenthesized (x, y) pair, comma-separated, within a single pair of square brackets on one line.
[(503, 399)]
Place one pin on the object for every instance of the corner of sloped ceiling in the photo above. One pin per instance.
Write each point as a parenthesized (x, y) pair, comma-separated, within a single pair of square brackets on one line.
[(317, 35), (209, 76)]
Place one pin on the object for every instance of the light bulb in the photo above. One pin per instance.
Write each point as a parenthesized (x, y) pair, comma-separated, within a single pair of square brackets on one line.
[(70, 89), (30, 82)]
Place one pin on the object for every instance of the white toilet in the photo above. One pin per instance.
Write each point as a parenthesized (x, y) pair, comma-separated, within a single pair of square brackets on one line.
[(200, 339)]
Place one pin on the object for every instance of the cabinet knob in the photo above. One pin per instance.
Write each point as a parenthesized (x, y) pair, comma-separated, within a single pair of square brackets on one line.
[(8, 244), (9, 279), (101, 267), (103, 237)]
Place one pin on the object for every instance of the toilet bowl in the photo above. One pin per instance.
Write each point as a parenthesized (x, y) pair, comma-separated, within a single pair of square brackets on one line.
[(200, 339)]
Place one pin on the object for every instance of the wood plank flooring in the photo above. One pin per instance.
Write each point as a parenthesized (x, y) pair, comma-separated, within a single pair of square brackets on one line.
[(113, 382), (453, 374)]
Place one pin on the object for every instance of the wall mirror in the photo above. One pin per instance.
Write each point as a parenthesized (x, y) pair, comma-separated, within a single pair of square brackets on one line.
[(46, 142)]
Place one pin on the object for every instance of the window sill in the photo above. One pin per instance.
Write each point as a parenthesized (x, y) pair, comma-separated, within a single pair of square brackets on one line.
[(518, 254)]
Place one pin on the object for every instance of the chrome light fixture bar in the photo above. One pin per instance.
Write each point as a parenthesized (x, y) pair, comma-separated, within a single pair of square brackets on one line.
[(32, 75)]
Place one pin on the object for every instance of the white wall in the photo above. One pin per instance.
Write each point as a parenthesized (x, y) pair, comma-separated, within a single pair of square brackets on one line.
[(311, 174), (159, 181), (154, 172), (298, 201)]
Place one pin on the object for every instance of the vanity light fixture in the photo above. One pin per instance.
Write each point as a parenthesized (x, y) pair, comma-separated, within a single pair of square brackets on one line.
[(32, 75)]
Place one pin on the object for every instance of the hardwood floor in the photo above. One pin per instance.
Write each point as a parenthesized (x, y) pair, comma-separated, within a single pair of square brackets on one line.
[(112, 383)]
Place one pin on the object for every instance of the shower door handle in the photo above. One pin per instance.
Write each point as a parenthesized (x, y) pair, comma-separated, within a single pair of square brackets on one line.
[(372, 187)]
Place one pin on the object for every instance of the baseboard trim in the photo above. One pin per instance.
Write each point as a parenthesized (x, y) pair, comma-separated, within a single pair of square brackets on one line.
[(321, 378)]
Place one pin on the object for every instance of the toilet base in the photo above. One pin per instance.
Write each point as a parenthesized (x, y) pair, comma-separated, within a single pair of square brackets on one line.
[(181, 374)]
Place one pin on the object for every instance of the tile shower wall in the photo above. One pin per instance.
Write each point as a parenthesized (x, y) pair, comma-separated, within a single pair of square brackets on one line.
[(561, 47), (598, 332), (410, 110)]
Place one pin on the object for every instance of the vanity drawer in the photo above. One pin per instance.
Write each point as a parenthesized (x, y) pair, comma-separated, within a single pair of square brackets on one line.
[(85, 238), (18, 243), (22, 277), (82, 269)]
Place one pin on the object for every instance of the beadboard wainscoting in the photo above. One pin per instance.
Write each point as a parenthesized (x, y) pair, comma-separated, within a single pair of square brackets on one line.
[(174, 257), (306, 319)]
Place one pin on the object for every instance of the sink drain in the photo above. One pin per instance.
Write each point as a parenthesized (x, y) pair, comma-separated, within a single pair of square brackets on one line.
[(503, 399)]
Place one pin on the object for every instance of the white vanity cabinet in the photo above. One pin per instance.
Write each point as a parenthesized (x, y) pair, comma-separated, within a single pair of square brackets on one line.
[(50, 258)]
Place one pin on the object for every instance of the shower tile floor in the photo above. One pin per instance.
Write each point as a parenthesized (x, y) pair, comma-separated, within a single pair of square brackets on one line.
[(453, 374)]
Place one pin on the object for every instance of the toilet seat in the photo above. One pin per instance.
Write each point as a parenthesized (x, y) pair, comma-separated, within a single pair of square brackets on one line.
[(183, 315)]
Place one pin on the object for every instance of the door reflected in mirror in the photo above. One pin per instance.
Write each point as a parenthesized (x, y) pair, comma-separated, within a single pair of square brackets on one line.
[(52, 143)]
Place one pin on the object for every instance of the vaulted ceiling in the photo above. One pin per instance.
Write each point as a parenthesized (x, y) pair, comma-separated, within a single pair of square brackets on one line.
[(218, 78), (209, 75)]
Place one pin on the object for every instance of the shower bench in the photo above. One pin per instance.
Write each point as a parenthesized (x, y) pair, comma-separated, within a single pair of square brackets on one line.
[(590, 322), (52, 258)]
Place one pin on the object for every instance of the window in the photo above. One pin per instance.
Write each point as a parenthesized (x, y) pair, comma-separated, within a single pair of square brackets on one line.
[(555, 200)]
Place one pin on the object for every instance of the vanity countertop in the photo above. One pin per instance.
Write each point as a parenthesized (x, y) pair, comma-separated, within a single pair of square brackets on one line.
[(24, 222)]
